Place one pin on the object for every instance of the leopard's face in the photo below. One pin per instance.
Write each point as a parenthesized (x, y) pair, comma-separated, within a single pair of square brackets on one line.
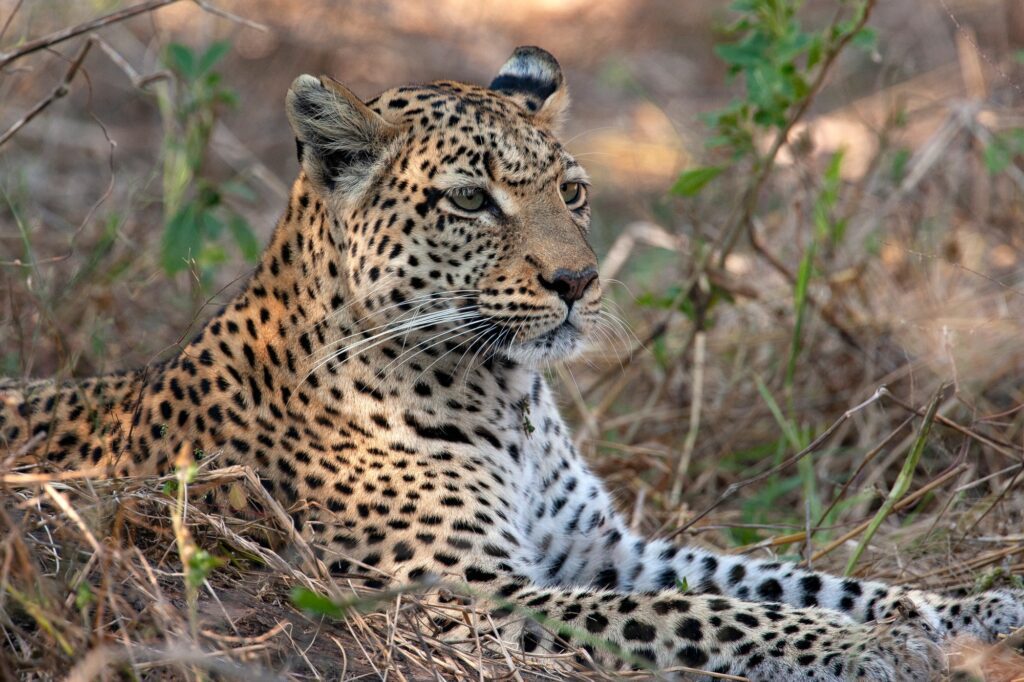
[(467, 223)]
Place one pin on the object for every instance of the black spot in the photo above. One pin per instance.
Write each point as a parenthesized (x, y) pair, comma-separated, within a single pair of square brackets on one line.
[(446, 432), (667, 579), (530, 641), (535, 87), (607, 578), (692, 657), (627, 605), (477, 575), (403, 552), (689, 628), (596, 622), (638, 631), (668, 605), (729, 634), (747, 619), (770, 590), (736, 574)]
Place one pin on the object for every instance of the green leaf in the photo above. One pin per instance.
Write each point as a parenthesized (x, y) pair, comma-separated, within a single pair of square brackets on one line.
[(997, 156), (739, 55), (182, 60), (212, 225), (865, 39), (803, 278), (244, 237), (83, 596), (693, 181), (200, 565), (898, 164), (212, 55), (903, 480), (181, 240), (211, 256), (308, 600), (228, 98), (239, 189)]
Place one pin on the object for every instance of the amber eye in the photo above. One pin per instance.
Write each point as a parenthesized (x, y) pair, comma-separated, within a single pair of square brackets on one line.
[(573, 194), (469, 200)]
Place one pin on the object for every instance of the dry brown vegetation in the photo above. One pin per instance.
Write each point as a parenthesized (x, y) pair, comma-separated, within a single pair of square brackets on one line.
[(704, 419)]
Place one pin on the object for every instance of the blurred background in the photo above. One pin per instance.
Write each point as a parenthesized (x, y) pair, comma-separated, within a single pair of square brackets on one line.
[(776, 250)]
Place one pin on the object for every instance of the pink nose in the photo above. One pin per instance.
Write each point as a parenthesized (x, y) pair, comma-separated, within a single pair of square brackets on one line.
[(570, 286)]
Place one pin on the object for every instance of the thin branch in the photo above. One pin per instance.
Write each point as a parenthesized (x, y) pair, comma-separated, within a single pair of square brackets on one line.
[(70, 32), (696, 400), (10, 18), (60, 91), (112, 18), (207, 7), (750, 198), (138, 80), (1003, 448)]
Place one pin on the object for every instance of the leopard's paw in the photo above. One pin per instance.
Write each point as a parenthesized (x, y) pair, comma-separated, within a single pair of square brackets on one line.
[(895, 652), (984, 616)]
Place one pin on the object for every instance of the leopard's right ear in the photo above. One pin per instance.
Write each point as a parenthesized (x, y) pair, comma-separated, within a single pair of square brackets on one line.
[(340, 140)]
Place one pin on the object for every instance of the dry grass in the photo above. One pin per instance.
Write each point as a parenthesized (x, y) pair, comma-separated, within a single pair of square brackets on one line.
[(693, 422)]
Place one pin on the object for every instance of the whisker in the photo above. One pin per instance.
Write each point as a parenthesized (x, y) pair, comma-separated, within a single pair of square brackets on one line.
[(461, 329), (429, 320), (470, 365), (621, 325), (400, 322), (385, 282), (495, 345), (470, 340), (612, 280), (427, 300)]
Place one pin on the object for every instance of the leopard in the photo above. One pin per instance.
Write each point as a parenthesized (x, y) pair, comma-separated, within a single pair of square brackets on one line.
[(383, 373)]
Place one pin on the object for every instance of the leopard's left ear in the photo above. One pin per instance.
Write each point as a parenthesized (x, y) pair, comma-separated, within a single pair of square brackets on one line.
[(341, 141), (533, 78)]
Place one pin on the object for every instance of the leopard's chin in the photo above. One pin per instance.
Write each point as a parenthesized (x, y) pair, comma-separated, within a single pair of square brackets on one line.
[(558, 344)]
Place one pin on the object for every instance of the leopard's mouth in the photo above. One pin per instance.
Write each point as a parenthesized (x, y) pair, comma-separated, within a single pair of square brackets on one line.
[(565, 330), (561, 342)]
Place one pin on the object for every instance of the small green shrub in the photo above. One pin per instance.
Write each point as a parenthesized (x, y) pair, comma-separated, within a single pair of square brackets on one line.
[(197, 208)]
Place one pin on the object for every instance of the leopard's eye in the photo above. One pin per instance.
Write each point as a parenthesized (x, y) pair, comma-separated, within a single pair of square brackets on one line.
[(573, 194), (469, 200)]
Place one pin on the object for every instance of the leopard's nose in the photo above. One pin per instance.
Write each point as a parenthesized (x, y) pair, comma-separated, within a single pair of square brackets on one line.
[(570, 286)]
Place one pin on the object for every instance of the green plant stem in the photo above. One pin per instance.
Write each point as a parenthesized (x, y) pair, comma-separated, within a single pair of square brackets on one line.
[(903, 481)]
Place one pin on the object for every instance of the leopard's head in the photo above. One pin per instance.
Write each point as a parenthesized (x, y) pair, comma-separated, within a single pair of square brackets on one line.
[(461, 217)]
